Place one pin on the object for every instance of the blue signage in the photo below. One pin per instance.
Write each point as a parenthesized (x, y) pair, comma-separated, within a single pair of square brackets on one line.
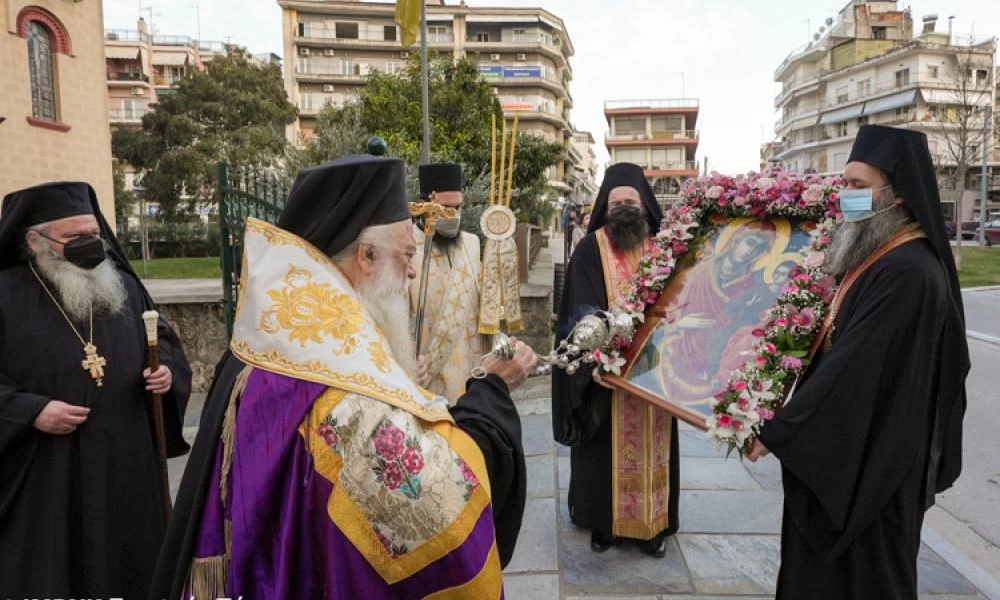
[(522, 71), (491, 70)]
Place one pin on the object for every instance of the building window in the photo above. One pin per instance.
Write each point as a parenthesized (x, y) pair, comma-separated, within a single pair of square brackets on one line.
[(346, 31), (879, 33), (903, 113), (389, 33), (982, 77), (864, 88), (902, 77), (483, 36), (862, 120), (932, 71), (392, 68), (520, 35), (841, 129), (842, 94), (437, 33), (41, 70)]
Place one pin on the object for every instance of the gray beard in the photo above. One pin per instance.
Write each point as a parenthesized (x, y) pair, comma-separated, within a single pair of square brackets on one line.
[(100, 289), (854, 242), (387, 300)]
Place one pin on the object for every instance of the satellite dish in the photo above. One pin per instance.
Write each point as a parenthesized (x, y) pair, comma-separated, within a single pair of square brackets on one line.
[(822, 29), (829, 21), (816, 37)]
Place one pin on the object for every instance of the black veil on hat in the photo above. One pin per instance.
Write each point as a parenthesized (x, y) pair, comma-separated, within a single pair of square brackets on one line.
[(631, 175), (904, 155), (330, 204), (49, 202)]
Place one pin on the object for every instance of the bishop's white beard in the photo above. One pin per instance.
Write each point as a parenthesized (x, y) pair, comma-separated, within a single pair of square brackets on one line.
[(386, 298), (856, 241), (80, 289)]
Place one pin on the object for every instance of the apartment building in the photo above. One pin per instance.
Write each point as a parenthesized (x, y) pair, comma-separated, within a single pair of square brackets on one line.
[(524, 53), (868, 67), (141, 66), (660, 135)]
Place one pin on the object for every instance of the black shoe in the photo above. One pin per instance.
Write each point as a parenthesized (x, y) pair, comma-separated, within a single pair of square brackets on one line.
[(656, 547), (599, 543)]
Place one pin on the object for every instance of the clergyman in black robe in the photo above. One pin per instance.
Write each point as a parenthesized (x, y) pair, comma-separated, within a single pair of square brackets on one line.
[(80, 496), (874, 431), (329, 207), (581, 407)]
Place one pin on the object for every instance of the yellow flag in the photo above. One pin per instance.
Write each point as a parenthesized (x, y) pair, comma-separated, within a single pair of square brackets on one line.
[(408, 18)]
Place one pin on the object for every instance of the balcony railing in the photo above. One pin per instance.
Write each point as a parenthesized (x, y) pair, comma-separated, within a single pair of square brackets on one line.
[(126, 35), (662, 103), (325, 34), (127, 114), (793, 84), (679, 134), (686, 165), (524, 38), (332, 72), (975, 91), (126, 76)]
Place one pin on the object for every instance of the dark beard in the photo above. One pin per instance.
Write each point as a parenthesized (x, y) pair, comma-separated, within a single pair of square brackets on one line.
[(627, 231), (446, 243), (854, 242)]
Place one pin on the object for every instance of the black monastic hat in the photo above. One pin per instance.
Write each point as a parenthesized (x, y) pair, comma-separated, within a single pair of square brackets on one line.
[(440, 177), (628, 175), (330, 204)]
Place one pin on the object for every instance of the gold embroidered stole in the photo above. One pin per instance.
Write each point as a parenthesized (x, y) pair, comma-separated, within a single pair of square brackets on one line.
[(452, 343), (640, 432)]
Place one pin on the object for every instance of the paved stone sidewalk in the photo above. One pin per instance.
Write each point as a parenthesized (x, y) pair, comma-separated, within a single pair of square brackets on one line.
[(730, 515), (728, 545)]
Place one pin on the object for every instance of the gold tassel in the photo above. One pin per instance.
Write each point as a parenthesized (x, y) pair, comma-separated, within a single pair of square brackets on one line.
[(208, 577), (229, 431)]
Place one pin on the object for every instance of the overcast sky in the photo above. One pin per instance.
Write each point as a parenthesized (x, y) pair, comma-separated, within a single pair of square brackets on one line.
[(727, 51)]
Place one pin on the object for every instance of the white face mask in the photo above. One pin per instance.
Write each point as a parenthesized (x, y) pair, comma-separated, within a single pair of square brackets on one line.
[(449, 228)]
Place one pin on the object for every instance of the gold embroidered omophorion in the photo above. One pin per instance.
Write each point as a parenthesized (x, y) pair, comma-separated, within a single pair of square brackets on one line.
[(92, 362)]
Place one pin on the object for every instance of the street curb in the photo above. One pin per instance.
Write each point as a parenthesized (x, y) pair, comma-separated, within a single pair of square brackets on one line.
[(984, 288), (976, 575), (982, 337)]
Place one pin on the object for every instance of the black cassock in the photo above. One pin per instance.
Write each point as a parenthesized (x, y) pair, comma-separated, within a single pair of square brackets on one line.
[(855, 438), (486, 412), (80, 514), (581, 409)]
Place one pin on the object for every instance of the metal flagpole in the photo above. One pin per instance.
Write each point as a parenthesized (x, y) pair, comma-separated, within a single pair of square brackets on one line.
[(425, 146), (983, 188)]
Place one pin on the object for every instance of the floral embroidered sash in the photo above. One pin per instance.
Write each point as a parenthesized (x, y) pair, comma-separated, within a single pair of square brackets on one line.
[(640, 432)]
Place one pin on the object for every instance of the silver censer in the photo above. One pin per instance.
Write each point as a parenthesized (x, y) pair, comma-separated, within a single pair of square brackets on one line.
[(589, 334)]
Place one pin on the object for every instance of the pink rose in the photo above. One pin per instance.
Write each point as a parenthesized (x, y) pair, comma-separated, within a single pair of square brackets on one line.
[(789, 288), (790, 362), (765, 413), (742, 403), (739, 386), (770, 348), (725, 421), (761, 361), (803, 278), (714, 192), (413, 461), (389, 441), (759, 332), (805, 318), (392, 475), (781, 322), (467, 474)]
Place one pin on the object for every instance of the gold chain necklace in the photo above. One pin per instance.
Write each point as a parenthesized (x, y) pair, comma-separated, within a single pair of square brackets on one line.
[(92, 362)]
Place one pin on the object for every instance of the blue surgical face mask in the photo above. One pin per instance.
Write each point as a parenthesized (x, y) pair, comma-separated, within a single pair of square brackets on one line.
[(857, 204)]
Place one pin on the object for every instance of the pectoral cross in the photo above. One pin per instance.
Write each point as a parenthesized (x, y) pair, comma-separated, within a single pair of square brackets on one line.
[(94, 363)]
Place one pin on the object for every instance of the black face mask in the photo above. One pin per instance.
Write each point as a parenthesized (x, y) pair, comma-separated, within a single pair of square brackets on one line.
[(625, 214), (86, 252)]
